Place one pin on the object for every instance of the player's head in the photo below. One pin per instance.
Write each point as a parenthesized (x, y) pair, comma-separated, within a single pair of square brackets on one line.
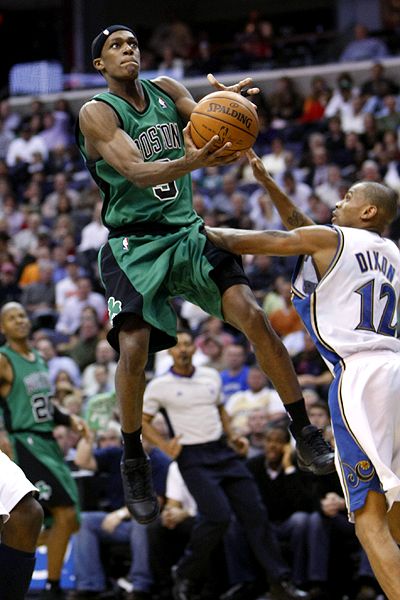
[(14, 321), (366, 205), (115, 51)]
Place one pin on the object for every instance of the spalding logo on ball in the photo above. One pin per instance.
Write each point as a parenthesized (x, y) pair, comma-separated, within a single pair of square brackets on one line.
[(228, 115)]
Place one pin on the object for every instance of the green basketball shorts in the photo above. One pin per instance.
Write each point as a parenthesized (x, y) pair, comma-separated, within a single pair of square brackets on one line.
[(141, 274)]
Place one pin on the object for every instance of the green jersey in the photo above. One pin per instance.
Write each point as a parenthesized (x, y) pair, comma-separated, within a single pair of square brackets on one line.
[(28, 406), (157, 132)]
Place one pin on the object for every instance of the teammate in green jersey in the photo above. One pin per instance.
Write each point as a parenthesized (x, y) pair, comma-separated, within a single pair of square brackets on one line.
[(29, 418), (138, 148)]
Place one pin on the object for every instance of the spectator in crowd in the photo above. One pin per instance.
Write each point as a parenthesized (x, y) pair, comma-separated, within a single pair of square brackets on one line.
[(298, 191), (285, 105), (311, 369), (262, 273), (39, 297), (105, 357), (258, 395), (55, 363), (377, 86), (9, 288), (22, 150), (71, 314), (275, 160), (113, 525), (55, 133), (330, 191), (318, 173), (67, 287), (215, 476), (364, 46), (27, 239), (258, 421), (285, 495), (94, 234), (315, 103), (234, 375), (389, 117), (263, 214), (64, 386), (82, 346), (342, 96), (222, 201), (13, 215), (61, 189), (353, 116), (213, 349), (6, 137)]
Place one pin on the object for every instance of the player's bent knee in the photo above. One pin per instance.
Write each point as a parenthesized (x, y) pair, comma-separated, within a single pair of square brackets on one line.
[(23, 528), (133, 353), (254, 323)]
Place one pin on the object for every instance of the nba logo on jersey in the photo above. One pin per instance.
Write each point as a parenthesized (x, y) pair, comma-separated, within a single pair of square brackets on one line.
[(162, 103), (125, 243)]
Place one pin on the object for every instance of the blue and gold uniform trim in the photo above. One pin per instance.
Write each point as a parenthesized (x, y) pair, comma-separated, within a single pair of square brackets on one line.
[(358, 474), (306, 305)]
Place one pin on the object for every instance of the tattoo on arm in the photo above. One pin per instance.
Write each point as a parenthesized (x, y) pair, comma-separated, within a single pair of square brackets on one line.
[(281, 234), (296, 219)]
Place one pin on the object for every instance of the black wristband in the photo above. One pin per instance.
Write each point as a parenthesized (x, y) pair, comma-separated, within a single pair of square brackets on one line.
[(60, 417)]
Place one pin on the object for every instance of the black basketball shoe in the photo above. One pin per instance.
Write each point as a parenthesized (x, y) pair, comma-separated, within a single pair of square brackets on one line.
[(313, 452), (140, 497)]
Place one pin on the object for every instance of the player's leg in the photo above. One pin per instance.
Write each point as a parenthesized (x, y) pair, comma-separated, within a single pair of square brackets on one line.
[(372, 529), (17, 548), (241, 310), (134, 336), (64, 524), (394, 521)]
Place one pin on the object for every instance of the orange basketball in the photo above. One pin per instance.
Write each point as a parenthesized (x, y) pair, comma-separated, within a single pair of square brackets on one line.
[(226, 114)]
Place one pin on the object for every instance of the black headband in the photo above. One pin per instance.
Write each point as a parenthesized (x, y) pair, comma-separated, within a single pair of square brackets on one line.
[(99, 40)]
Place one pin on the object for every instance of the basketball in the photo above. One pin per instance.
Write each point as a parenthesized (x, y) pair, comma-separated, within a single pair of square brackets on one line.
[(226, 114)]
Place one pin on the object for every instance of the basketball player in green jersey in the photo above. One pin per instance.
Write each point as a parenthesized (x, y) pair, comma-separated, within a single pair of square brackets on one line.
[(138, 148), (29, 418)]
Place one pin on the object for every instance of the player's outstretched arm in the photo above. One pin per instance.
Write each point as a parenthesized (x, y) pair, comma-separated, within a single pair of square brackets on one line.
[(307, 240), (290, 215)]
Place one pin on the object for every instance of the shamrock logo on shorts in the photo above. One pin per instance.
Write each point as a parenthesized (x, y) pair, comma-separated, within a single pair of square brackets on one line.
[(45, 490), (114, 307)]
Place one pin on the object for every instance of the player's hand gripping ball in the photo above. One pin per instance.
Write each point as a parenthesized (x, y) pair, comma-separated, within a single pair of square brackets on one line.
[(226, 114)]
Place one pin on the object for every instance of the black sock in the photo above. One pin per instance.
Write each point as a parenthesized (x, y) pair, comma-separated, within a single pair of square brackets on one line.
[(52, 584), (298, 414), (15, 572), (133, 444)]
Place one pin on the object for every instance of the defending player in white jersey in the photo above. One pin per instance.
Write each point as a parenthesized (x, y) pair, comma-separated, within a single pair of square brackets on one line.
[(21, 518), (346, 288)]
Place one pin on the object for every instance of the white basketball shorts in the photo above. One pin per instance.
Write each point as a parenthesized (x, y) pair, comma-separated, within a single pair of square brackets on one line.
[(13, 486)]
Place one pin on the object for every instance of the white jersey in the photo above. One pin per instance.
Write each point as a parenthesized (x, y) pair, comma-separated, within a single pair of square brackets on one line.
[(13, 486), (353, 308), (191, 404)]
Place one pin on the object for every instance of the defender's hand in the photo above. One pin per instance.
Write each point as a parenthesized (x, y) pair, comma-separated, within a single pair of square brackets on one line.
[(236, 87)]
